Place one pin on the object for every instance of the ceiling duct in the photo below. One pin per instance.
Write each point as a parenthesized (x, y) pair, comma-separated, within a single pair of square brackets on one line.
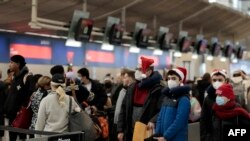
[(4, 1)]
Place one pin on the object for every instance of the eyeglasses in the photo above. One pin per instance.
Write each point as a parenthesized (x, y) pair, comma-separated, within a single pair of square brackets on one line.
[(220, 80), (236, 75), (172, 78)]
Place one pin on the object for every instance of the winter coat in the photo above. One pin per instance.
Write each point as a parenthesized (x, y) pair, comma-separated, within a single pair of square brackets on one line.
[(206, 128), (52, 116), (18, 94), (35, 103), (115, 93), (239, 91), (201, 87), (2, 98), (80, 91), (150, 108), (219, 124), (100, 95), (118, 104), (172, 122)]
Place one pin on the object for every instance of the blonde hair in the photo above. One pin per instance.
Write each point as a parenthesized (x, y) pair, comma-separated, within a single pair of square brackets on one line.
[(43, 81), (61, 93)]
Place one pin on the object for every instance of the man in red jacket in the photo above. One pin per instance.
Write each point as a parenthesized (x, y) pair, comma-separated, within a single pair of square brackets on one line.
[(142, 100)]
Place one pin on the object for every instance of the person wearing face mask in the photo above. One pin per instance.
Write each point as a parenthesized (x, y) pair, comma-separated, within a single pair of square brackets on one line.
[(108, 84), (206, 130), (227, 112), (240, 87), (172, 122), (73, 83), (128, 80), (142, 100)]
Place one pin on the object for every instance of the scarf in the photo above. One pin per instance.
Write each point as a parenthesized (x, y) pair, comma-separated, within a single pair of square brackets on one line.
[(140, 96), (230, 110)]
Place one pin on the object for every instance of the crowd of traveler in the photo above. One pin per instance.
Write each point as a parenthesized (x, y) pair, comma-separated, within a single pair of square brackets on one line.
[(164, 105)]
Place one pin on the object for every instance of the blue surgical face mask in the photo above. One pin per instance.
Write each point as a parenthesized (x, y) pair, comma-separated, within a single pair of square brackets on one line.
[(220, 101)]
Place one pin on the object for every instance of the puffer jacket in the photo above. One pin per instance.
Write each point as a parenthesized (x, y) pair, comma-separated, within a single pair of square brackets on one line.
[(172, 122)]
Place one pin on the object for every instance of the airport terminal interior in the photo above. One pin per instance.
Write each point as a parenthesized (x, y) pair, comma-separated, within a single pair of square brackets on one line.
[(124, 70)]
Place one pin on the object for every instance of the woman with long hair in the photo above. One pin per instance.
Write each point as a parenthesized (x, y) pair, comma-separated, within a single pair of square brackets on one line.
[(43, 88), (54, 108)]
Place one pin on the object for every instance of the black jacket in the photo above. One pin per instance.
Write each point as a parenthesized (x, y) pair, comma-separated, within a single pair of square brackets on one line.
[(219, 125), (100, 95), (80, 91), (206, 123), (150, 108), (201, 86), (2, 99), (18, 94)]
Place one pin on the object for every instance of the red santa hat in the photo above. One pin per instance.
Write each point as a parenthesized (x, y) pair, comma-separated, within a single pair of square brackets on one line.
[(145, 63), (181, 71), (226, 90), (219, 71)]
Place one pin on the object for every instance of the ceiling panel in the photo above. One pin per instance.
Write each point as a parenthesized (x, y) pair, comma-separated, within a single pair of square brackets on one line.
[(16, 15)]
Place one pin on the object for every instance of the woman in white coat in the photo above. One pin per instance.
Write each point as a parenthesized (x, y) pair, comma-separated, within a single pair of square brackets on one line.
[(54, 108)]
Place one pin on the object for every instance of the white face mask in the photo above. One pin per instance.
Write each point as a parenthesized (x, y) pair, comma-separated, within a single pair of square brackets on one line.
[(172, 84), (139, 75), (217, 84), (247, 77), (237, 79)]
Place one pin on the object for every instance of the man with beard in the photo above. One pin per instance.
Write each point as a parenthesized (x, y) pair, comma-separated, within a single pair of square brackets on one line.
[(142, 100)]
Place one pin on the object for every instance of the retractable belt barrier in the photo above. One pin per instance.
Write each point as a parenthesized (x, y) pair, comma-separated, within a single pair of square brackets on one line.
[(72, 136), (193, 134), (26, 131), (50, 136)]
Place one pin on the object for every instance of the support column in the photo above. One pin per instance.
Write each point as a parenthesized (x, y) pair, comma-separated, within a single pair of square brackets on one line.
[(201, 30), (155, 25), (123, 18), (84, 6), (218, 34), (34, 11), (180, 26)]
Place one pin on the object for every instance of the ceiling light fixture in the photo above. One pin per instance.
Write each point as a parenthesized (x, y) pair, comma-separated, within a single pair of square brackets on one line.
[(108, 47), (157, 52), (73, 43), (134, 49)]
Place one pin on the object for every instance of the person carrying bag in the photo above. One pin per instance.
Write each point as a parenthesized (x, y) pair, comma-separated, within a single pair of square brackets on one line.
[(141, 133), (81, 121), (23, 118)]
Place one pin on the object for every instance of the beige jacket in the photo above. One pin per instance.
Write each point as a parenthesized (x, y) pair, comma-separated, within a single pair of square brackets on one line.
[(52, 116)]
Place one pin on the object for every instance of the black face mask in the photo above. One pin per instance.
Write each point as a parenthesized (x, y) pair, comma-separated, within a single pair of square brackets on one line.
[(125, 87), (108, 85)]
